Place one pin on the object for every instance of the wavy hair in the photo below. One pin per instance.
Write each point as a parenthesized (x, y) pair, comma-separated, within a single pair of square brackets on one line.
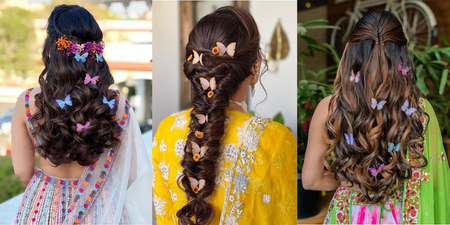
[(376, 46), (226, 25), (55, 127)]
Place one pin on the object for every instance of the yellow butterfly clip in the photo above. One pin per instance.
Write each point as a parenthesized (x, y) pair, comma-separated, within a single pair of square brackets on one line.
[(229, 49), (196, 185), (197, 58), (198, 152)]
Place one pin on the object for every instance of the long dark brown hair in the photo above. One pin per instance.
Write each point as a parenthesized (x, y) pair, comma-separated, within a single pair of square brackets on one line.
[(226, 25), (55, 127), (376, 47)]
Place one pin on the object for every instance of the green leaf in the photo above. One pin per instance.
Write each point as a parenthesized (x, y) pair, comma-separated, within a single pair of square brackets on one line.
[(443, 81), (279, 118), (313, 21), (251, 112), (334, 53)]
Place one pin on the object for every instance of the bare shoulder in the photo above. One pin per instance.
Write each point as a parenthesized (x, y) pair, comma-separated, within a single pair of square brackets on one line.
[(321, 111)]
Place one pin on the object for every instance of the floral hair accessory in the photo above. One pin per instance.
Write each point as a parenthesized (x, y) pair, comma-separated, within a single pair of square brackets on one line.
[(222, 49), (198, 152), (199, 134), (209, 84), (88, 79), (81, 127), (196, 185), (81, 51)]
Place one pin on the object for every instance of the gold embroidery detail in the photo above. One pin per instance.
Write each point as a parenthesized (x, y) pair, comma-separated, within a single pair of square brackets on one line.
[(277, 163), (255, 184), (287, 204), (259, 159)]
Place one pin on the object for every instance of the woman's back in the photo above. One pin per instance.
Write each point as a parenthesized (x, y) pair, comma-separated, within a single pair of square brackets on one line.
[(255, 170)]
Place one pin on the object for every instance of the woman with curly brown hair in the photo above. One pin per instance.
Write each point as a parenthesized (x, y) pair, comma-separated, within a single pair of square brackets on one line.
[(214, 163), (92, 157), (380, 137)]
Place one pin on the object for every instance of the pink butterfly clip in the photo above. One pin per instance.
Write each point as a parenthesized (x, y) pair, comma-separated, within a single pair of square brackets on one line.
[(88, 79), (401, 69), (196, 185), (355, 78), (374, 171), (81, 127)]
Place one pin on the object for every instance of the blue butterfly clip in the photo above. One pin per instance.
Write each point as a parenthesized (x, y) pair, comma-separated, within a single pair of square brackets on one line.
[(110, 103), (349, 139), (82, 57), (62, 103), (392, 146), (99, 57)]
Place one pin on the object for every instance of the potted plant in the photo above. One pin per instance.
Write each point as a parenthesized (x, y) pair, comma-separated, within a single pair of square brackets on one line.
[(312, 88), (431, 63)]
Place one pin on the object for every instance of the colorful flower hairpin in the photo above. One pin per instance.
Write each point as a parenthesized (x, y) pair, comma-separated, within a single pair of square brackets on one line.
[(392, 146), (402, 69), (374, 171), (355, 78), (199, 134), (196, 185), (109, 103), (81, 51), (221, 49), (88, 79), (202, 118), (405, 108), (377, 105), (197, 151), (63, 103), (81, 127), (209, 84), (349, 139)]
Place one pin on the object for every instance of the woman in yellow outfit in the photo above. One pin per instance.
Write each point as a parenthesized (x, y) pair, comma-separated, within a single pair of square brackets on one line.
[(214, 163)]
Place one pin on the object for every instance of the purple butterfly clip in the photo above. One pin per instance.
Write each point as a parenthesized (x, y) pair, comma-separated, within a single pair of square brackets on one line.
[(405, 108), (401, 69), (349, 139), (374, 171)]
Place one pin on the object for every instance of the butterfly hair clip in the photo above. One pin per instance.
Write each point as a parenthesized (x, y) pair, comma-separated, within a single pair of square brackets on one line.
[(402, 69), (377, 105), (221, 49), (355, 78), (81, 127), (349, 139), (81, 51), (202, 118), (374, 171), (197, 58), (405, 108), (209, 84), (198, 152), (63, 103), (88, 79), (109, 103), (196, 185), (392, 146)]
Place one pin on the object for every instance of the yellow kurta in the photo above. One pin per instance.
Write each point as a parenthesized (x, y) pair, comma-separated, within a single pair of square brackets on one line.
[(257, 178)]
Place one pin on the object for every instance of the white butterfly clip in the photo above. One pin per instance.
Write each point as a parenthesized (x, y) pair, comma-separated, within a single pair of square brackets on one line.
[(377, 105), (198, 152), (197, 58), (209, 84), (405, 108), (355, 78), (196, 185), (229, 49), (201, 118)]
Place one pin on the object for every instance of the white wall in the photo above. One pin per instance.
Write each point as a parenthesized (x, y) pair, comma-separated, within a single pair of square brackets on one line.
[(281, 86), (166, 63)]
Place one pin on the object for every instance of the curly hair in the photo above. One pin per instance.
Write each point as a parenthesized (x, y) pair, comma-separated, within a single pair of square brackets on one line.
[(376, 47), (226, 25), (56, 129)]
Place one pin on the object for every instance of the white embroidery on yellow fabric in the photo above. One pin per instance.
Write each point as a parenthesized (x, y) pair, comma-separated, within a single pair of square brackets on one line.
[(154, 175), (173, 195), (164, 170), (154, 143), (266, 198), (162, 146), (159, 205), (179, 122), (179, 147)]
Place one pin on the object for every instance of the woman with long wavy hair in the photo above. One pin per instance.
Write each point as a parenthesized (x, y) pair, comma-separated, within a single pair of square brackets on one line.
[(93, 165), (214, 163), (380, 138)]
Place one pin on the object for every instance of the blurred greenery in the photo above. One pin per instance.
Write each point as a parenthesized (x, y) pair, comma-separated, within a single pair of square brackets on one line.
[(16, 37), (11, 185)]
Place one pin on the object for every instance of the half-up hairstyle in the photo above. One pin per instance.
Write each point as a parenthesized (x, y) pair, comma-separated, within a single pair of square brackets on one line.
[(226, 25), (377, 49), (56, 127)]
